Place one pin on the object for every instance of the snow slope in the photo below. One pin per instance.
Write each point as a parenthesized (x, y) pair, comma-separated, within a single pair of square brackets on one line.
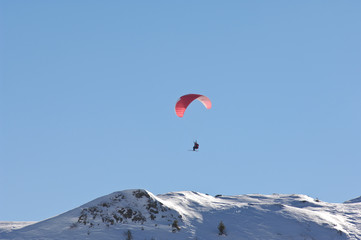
[(9, 226), (355, 200), (192, 215)]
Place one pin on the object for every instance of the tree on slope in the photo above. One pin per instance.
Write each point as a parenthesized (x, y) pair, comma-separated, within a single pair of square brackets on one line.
[(222, 228), (175, 226), (128, 235)]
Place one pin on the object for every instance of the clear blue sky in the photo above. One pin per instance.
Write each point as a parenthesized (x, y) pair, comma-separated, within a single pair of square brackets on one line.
[(88, 88)]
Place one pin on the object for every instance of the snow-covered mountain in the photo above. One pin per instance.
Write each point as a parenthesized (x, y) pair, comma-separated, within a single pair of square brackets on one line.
[(138, 214)]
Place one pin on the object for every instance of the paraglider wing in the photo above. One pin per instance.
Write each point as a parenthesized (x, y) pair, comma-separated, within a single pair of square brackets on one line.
[(185, 100)]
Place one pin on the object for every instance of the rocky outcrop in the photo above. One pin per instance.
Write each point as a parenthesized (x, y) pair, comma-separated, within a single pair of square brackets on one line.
[(135, 206)]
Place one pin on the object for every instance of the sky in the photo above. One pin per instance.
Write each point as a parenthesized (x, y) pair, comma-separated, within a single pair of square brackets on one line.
[(88, 88)]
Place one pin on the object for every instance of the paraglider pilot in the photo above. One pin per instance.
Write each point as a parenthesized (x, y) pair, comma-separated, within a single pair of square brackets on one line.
[(195, 146)]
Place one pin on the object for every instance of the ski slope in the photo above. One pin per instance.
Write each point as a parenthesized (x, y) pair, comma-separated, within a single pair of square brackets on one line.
[(193, 215)]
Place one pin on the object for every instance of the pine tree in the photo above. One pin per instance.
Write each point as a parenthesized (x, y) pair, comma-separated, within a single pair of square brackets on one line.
[(222, 228), (128, 235), (175, 226)]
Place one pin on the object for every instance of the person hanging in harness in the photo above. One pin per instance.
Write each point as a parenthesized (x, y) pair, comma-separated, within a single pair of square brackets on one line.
[(195, 146)]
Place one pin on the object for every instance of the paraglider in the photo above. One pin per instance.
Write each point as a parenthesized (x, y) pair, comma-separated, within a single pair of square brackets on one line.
[(195, 146), (183, 103)]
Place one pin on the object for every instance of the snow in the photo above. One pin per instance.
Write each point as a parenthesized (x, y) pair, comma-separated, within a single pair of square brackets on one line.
[(12, 225), (355, 200), (252, 216)]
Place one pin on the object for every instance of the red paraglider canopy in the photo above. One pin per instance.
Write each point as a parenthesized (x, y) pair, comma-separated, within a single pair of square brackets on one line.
[(185, 100)]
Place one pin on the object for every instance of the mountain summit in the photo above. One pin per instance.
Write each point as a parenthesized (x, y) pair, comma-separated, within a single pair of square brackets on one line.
[(138, 214)]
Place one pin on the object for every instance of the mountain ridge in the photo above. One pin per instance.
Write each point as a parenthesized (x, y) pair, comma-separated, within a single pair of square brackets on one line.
[(193, 215)]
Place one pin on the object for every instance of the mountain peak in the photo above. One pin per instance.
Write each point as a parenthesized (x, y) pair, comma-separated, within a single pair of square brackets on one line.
[(135, 206)]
